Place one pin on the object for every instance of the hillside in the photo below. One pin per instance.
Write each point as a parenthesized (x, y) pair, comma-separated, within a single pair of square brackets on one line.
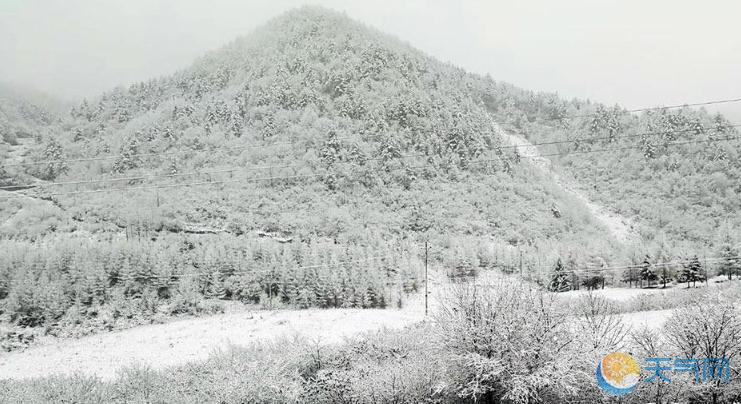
[(332, 104), (24, 112), (26, 116), (318, 97), (674, 170), (303, 165)]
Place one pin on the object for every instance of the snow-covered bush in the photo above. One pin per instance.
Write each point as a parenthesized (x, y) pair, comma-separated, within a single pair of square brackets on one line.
[(508, 342)]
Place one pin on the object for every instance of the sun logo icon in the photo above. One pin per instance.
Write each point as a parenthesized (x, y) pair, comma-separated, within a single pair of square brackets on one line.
[(618, 373)]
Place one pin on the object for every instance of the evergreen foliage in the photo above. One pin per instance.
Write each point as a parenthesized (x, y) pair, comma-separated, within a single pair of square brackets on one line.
[(41, 283), (560, 280), (730, 260), (647, 271), (692, 271)]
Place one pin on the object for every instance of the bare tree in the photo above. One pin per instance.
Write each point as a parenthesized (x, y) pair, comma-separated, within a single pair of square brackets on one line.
[(650, 343), (508, 342), (708, 328), (599, 322)]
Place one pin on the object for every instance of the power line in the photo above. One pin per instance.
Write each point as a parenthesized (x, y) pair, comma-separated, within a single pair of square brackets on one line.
[(114, 179), (641, 265), (238, 272), (175, 153), (613, 138), (250, 180), (136, 178), (697, 104), (639, 147), (633, 266), (12, 187), (659, 108), (246, 147), (103, 158)]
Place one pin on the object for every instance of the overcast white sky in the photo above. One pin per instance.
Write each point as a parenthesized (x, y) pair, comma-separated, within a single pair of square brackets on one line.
[(635, 52)]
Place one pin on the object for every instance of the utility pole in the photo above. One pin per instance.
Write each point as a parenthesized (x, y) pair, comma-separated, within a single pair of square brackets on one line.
[(425, 278)]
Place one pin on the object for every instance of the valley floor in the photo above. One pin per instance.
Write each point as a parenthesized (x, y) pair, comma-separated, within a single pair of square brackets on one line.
[(191, 340), (183, 341)]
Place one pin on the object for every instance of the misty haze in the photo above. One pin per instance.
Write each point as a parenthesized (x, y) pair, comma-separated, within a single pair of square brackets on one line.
[(370, 202)]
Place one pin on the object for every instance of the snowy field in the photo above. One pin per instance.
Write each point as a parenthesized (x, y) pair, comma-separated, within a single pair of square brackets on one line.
[(179, 342), (190, 340), (616, 294)]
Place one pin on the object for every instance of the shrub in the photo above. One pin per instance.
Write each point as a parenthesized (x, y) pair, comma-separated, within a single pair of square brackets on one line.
[(507, 342), (708, 328)]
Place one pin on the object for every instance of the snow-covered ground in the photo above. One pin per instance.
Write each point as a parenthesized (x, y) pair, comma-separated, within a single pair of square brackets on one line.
[(653, 319), (616, 294), (194, 339)]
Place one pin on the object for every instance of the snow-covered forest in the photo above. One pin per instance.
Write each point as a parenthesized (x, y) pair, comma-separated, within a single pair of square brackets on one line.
[(318, 163)]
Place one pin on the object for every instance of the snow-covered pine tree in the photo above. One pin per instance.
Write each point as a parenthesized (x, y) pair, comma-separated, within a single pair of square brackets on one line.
[(647, 272), (560, 281), (730, 261), (162, 276), (321, 287), (126, 276), (129, 156), (216, 288), (304, 298), (288, 283), (598, 121), (79, 136), (692, 271), (648, 147), (56, 165)]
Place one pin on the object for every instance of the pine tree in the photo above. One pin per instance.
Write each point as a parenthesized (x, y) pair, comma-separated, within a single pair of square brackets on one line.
[(572, 266), (216, 288), (382, 303), (691, 271), (730, 262), (162, 276), (560, 281), (664, 276), (288, 290), (720, 125), (236, 123), (647, 271), (613, 123), (79, 136), (126, 277), (321, 288), (305, 298), (129, 156), (340, 293), (371, 298), (57, 165)]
